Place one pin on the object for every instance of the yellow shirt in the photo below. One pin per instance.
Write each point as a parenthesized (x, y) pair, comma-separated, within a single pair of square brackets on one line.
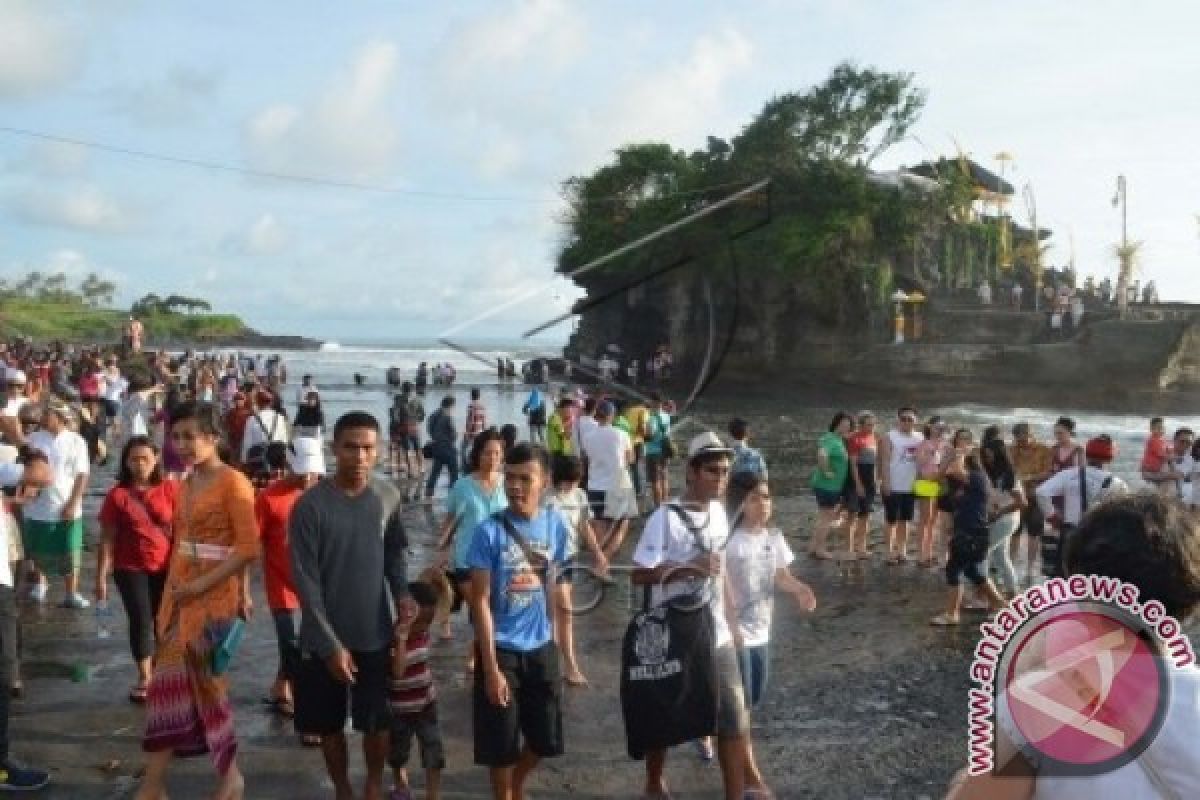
[(637, 417)]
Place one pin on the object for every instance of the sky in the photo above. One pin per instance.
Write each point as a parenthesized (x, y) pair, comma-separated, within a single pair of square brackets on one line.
[(438, 135)]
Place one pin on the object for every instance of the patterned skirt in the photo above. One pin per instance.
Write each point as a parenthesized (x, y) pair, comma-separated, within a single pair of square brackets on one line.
[(188, 712)]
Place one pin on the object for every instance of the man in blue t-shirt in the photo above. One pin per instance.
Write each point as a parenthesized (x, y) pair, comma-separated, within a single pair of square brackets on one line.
[(515, 558)]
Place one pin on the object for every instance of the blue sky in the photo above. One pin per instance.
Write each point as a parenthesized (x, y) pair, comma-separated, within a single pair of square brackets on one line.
[(478, 110)]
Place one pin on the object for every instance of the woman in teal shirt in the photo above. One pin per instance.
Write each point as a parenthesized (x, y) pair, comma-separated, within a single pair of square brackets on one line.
[(473, 498), (829, 480)]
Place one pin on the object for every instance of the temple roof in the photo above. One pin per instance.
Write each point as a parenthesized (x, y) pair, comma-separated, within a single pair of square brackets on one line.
[(981, 177)]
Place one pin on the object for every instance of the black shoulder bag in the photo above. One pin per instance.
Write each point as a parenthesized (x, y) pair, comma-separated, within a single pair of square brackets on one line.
[(669, 678)]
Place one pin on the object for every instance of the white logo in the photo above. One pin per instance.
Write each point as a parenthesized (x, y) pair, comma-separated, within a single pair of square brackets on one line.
[(652, 642)]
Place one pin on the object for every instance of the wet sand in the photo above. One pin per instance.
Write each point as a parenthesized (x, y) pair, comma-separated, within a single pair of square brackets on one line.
[(865, 699)]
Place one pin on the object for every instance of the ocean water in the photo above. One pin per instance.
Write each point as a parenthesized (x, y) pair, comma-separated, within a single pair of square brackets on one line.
[(785, 429)]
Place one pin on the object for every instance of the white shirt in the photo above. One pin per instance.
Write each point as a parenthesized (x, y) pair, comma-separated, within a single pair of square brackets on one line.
[(576, 510), (665, 539), (302, 393), (273, 428), (1172, 755), (607, 450), (14, 405), (752, 560), (583, 427), (68, 455), (902, 460), (1065, 484)]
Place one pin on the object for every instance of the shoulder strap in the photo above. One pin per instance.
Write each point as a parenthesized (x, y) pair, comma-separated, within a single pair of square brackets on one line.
[(537, 562), (1083, 489)]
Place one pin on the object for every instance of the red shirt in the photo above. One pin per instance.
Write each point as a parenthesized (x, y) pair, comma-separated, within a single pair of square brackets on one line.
[(1157, 454), (142, 522), (272, 509), (413, 691)]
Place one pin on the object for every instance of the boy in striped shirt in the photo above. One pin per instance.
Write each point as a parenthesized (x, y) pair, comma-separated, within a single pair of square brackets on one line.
[(412, 698)]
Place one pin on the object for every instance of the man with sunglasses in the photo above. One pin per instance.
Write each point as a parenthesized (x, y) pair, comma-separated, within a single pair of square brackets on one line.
[(670, 557), (897, 474)]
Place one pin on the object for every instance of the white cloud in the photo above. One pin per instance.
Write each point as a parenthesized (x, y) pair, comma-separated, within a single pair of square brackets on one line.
[(348, 131), (37, 51), (50, 159), (266, 236), (547, 31), (179, 97), (679, 104), (84, 207)]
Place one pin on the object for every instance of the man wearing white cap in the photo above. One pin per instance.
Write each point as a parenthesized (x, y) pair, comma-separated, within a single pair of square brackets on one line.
[(303, 464), (54, 519), (15, 381), (682, 549)]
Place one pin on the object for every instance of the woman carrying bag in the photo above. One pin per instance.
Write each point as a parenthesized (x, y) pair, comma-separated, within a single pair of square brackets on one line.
[(188, 710)]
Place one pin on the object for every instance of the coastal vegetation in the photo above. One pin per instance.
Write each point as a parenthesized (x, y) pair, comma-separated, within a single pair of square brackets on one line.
[(47, 307), (841, 235)]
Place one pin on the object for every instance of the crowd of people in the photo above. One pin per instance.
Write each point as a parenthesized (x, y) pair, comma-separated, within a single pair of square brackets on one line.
[(216, 482)]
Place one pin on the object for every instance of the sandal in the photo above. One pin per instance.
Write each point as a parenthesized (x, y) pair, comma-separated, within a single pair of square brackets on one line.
[(138, 694), (945, 620), (280, 706)]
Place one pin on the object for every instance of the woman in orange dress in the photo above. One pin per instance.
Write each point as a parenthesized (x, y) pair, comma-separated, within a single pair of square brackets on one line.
[(215, 537)]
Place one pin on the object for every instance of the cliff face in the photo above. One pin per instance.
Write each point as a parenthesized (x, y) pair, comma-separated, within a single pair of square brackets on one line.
[(776, 338)]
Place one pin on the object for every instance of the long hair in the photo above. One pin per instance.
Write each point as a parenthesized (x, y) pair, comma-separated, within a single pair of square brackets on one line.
[(125, 475), (997, 464)]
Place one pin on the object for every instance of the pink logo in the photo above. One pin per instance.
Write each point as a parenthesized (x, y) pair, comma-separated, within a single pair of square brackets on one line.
[(1086, 688)]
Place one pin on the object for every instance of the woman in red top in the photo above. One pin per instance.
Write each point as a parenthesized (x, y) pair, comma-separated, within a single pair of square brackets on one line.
[(136, 521), (303, 464)]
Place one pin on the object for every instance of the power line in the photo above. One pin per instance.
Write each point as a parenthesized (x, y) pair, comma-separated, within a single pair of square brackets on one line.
[(313, 180)]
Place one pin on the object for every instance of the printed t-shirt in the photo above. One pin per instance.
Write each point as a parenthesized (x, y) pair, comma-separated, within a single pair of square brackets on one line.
[(518, 597), (666, 539), (752, 559), (272, 509), (468, 503), (142, 522), (834, 448), (902, 463)]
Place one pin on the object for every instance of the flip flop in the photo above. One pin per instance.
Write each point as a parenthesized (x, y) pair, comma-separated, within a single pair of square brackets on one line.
[(280, 706), (137, 694), (944, 620), (577, 680)]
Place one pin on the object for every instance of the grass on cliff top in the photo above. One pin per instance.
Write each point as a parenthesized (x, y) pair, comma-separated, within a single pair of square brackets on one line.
[(48, 321)]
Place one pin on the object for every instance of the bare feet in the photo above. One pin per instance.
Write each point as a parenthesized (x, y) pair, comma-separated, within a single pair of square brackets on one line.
[(575, 678), (233, 786)]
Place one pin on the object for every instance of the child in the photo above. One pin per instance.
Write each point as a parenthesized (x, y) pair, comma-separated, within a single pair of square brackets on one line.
[(756, 563), (1157, 467), (969, 544), (413, 700), (571, 501)]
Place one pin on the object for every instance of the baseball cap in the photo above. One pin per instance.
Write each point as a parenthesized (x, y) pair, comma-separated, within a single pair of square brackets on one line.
[(707, 443), (306, 456)]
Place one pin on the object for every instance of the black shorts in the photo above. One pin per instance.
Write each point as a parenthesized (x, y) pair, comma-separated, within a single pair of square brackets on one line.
[(597, 500), (423, 726), (322, 702), (862, 505), (533, 713), (899, 507), (656, 467), (945, 503)]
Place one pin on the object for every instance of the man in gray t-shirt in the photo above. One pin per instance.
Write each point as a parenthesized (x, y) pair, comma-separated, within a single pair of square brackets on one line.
[(348, 563)]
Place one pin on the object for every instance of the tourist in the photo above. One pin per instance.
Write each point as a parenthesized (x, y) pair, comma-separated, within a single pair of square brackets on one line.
[(53, 521), (572, 502), (514, 560), (757, 561), (172, 464), (1142, 540), (301, 465), (1017, 291), (1031, 461), (635, 417), (413, 699), (473, 425), (932, 459), (969, 544), (609, 453), (1157, 466), (535, 412), (473, 498), (1067, 495), (422, 377), (953, 467), (682, 542), (1181, 460), (35, 474), (187, 706), (862, 449), (307, 385), (136, 411), (585, 423), (985, 293), (348, 550), (898, 473), (746, 459), (509, 434), (136, 521), (1005, 504), (829, 481), (559, 427), (310, 418), (443, 446), (658, 449), (265, 425), (404, 433)]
